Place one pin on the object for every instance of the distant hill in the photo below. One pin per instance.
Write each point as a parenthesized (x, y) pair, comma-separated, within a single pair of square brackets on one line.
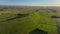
[(33, 7)]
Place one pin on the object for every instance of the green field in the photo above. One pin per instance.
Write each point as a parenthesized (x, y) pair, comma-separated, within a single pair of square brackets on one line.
[(41, 19)]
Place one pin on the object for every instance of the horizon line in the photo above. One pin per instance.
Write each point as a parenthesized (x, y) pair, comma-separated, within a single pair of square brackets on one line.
[(29, 5)]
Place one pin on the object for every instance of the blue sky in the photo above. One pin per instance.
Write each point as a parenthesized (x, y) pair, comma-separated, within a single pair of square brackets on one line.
[(31, 2)]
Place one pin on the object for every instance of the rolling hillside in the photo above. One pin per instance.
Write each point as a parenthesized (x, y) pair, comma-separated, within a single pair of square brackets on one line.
[(26, 20)]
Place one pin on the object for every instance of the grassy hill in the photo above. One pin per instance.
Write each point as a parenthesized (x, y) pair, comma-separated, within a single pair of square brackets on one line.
[(23, 25)]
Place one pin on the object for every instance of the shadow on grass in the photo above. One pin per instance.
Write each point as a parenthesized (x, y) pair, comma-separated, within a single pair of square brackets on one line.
[(55, 17), (18, 16), (37, 31)]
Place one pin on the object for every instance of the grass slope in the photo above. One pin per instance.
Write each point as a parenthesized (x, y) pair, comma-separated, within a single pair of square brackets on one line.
[(27, 24)]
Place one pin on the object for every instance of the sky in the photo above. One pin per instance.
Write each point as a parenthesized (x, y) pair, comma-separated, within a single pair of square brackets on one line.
[(31, 2)]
